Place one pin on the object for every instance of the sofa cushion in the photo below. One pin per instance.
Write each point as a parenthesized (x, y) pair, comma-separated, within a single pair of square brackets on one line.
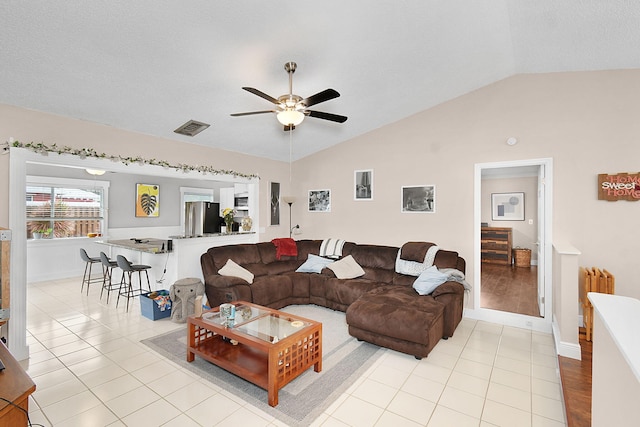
[(267, 252), (234, 270), (268, 290), (306, 247), (374, 256), (246, 253), (345, 292), (399, 313), (415, 251), (314, 264), (346, 268), (429, 280), (446, 259)]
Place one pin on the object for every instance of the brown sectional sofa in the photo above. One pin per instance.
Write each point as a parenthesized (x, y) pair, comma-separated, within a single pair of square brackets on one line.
[(381, 306)]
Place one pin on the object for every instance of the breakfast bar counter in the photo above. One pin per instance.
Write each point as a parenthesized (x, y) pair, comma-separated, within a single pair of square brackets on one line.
[(181, 261), (152, 246)]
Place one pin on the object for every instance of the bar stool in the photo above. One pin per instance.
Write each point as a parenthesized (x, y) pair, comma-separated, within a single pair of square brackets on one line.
[(127, 270), (89, 261), (107, 267)]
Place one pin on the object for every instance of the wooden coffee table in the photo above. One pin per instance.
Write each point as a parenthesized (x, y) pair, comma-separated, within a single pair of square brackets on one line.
[(264, 346)]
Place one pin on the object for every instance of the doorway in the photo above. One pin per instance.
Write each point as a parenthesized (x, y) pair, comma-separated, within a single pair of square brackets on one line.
[(527, 182)]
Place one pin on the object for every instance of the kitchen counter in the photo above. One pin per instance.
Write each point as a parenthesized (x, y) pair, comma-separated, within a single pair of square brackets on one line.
[(151, 246), (182, 261), (233, 233)]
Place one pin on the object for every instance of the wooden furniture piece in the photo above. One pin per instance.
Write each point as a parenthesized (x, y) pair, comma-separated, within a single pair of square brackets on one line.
[(16, 387), (264, 346), (587, 278), (593, 280), (495, 245)]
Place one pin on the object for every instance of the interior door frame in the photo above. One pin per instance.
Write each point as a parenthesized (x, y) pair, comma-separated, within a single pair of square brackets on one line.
[(542, 324)]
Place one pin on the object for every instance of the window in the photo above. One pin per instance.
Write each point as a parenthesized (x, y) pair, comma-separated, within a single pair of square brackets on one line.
[(61, 208)]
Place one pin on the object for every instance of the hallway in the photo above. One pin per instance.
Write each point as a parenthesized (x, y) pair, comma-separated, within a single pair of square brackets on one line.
[(512, 289)]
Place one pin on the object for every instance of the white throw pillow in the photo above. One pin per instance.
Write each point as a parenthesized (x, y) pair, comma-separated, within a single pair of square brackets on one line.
[(314, 264), (346, 268), (429, 280), (231, 269)]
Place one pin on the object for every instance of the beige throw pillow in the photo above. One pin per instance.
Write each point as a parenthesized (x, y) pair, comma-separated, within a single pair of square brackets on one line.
[(346, 268), (231, 269)]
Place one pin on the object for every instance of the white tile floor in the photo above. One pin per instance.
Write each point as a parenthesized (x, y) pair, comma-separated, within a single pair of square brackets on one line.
[(91, 370)]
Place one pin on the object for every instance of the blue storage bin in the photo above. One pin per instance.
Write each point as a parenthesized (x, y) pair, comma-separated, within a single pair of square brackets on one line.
[(151, 310)]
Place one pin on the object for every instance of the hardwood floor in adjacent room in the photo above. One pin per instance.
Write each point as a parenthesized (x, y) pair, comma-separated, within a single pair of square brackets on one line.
[(576, 385), (512, 289)]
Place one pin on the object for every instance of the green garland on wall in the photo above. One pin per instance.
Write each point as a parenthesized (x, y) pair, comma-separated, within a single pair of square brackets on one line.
[(90, 152)]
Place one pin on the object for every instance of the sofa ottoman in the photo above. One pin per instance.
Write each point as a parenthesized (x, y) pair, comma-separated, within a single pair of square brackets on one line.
[(398, 318)]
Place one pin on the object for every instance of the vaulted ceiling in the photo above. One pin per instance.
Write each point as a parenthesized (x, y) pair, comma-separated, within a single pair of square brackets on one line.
[(150, 66)]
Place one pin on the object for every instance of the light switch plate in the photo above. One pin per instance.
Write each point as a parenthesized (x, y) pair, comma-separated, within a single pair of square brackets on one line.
[(5, 234)]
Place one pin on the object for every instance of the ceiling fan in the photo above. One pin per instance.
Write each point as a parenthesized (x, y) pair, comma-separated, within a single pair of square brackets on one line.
[(291, 109)]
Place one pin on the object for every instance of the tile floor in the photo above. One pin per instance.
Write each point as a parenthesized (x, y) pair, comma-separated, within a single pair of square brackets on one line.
[(91, 370)]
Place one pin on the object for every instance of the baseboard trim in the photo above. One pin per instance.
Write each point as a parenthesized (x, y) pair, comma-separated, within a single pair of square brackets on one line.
[(566, 349)]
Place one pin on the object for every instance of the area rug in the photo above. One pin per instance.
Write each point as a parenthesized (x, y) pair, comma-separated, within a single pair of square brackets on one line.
[(301, 401)]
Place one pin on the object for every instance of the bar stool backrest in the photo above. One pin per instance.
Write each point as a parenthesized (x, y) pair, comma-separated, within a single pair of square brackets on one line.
[(106, 262), (84, 256), (123, 263)]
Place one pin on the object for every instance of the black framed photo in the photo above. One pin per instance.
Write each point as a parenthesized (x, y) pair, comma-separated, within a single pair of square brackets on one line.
[(363, 184), (274, 188), (507, 206), (319, 200), (419, 199)]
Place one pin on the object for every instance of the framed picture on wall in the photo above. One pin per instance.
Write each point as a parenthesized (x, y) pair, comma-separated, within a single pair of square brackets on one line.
[(275, 203), (147, 200), (507, 206), (419, 199), (363, 185), (319, 200)]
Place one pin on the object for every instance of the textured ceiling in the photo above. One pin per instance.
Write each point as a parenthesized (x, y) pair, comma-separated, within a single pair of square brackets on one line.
[(150, 66)]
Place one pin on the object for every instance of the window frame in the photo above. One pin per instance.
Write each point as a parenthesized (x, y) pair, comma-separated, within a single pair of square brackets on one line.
[(83, 184)]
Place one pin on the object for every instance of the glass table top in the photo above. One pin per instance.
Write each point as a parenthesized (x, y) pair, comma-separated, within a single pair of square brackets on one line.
[(258, 323)]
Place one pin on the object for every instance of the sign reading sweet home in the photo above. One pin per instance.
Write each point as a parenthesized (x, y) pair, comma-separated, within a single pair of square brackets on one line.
[(621, 186)]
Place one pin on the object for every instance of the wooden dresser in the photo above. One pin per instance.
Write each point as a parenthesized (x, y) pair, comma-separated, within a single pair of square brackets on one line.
[(495, 245), (15, 386)]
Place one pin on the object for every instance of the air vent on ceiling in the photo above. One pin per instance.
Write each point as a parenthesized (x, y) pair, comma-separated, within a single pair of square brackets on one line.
[(191, 128)]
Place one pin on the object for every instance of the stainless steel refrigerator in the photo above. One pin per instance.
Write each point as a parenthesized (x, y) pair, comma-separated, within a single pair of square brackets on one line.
[(201, 218)]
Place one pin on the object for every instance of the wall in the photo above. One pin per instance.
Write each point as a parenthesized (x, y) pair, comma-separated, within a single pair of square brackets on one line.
[(27, 126), (525, 235), (123, 186), (587, 122)]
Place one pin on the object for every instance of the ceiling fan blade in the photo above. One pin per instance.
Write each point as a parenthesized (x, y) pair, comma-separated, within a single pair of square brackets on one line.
[(319, 97), (326, 116), (261, 95), (250, 113)]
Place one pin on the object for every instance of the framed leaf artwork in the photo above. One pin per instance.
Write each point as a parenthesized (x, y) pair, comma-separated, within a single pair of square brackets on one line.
[(147, 200)]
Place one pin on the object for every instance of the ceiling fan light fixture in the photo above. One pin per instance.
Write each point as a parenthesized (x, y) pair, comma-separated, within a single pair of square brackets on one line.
[(290, 117)]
